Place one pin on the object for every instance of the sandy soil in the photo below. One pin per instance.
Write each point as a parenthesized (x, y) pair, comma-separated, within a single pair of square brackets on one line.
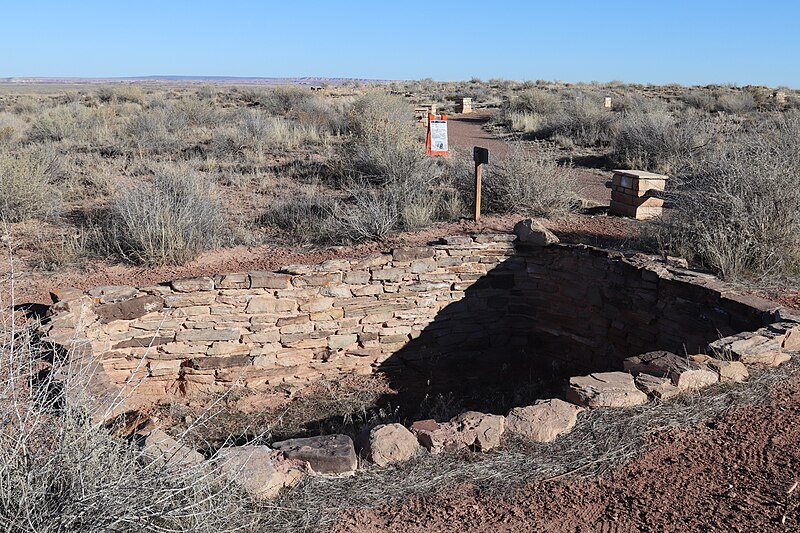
[(733, 474)]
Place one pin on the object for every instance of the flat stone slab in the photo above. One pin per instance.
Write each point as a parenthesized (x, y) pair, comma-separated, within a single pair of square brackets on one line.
[(388, 444), (326, 454), (259, 470), (543, 421), (605, 389), (684, 372)]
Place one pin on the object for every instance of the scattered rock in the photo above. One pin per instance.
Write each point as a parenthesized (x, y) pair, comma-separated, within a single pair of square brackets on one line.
[(660, 387), (684, 373), (258, 470), (326, 454), (729, 371), (543, 421), (438, 437), (530, 231), (165, 450), (482, 430), (605, 389), (389, 443), (791, 340)]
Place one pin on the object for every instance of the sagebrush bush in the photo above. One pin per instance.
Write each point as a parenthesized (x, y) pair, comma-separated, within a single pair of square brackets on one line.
[(529, 183), (657, 141), (61, 469), (738, 211), (28, 183), (169, 220)]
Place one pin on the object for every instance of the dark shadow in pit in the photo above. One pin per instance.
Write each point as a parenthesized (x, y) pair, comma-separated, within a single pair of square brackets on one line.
[(473, 355)]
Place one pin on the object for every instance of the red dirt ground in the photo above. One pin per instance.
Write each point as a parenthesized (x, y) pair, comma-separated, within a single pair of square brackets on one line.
[(732, 474)]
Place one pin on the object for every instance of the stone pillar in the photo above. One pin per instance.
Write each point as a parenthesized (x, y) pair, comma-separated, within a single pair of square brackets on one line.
[(634, 193)]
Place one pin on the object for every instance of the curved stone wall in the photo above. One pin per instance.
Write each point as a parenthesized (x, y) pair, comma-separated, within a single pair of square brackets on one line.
[(465, 299)]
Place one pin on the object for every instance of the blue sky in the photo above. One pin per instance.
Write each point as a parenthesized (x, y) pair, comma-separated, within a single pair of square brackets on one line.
[(647, 41)]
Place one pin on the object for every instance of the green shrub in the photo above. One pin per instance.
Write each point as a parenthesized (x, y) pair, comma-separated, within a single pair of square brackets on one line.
[(167, 221)]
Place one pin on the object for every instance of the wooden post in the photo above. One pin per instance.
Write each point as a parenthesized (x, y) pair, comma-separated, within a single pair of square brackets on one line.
[(478, 190), (481, 157)]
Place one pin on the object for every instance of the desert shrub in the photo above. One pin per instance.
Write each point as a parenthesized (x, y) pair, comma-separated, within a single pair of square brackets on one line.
[(12, 129), (385, 144), (529, 183), (169, 220), (584, 121), (657, 142), (154, 130), (63, 470), (257, 133), (304, 218), (72, 123), (120, 93), (28, 183), (700, 99), (536, 101), (739, 102), (738, 212)]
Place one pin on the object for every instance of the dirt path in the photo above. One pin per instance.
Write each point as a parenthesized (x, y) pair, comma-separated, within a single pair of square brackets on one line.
[(729, 475), (467, 131)]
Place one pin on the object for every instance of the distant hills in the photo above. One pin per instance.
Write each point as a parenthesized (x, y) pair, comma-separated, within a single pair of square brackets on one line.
[(231, 80)]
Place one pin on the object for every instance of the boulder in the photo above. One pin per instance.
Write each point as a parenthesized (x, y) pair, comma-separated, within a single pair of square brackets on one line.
[(532, 232), (605, 389), (483, 430), (389, 443), (326, 454), (684, 372), (259, 470), (791, 340), (167, 451), (438, 437), (543, 421)]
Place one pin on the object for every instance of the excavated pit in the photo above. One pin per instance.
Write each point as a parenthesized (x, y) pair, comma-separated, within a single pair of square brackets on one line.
[(482, 318)]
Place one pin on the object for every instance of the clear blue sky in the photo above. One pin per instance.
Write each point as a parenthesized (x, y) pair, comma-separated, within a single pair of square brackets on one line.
[(648, 41)]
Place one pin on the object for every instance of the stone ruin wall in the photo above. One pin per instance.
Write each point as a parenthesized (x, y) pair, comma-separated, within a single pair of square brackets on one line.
[(465, 296)]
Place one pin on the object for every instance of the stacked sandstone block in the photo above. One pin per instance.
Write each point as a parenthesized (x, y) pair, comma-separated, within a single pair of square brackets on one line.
[(262, 329), (422, 111), (634, 193)]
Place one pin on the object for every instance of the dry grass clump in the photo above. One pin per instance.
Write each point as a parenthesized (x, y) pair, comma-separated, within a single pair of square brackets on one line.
[(28, 183), (738, 211), (166, 221), (529, 183)]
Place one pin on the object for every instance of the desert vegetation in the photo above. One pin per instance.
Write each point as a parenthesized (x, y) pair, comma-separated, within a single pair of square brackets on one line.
[(156, 175)]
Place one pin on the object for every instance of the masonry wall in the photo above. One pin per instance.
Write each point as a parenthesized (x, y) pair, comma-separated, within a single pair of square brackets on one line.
[(475, 298)]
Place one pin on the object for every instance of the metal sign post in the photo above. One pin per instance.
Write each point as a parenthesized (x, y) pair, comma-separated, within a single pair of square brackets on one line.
[(481, 157)]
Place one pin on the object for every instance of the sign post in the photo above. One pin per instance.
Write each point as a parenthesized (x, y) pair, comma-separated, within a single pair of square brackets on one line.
[(436, 142), (481, 157)]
